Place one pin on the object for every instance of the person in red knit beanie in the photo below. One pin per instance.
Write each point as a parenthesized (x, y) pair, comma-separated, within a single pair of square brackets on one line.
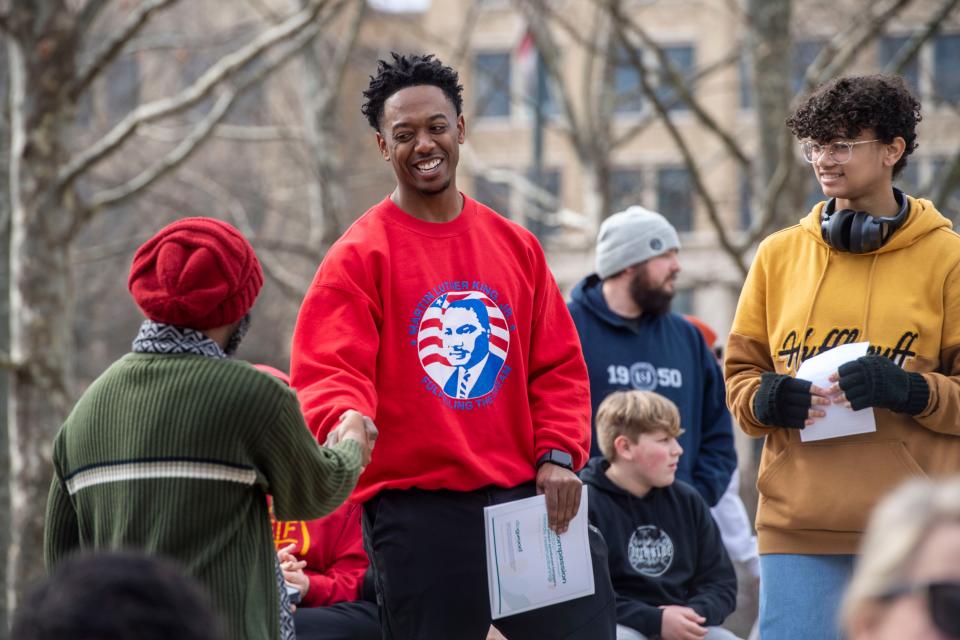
[(167, 451), (199, 273)]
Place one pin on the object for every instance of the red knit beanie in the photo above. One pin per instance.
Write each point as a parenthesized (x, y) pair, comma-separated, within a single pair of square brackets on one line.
[(199, 273)]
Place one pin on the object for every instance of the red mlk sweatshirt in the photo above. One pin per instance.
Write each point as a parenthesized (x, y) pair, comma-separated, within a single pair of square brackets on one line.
[(455, 338)]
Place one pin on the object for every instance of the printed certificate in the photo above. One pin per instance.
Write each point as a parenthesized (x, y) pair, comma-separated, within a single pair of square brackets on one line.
[(528, 565), (840, 420)]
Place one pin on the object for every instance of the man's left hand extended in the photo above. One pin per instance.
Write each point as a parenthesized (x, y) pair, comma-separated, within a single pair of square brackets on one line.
[(562, 490)]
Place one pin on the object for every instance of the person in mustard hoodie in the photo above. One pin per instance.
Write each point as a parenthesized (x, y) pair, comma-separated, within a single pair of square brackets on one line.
[(868, 264)]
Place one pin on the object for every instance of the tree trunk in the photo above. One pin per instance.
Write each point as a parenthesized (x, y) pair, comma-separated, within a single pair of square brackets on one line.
[(769, 22), (42, 56), (4, 339), (596, 192), (770, 32)]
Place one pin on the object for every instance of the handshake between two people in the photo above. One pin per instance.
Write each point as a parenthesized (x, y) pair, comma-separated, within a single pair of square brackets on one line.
[(355, 426), (868, 381)]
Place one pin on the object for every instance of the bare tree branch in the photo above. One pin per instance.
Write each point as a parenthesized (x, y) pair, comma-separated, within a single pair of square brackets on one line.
[(912, 47), (679, 84), (291, 284), (225, 68), (833, 59), (534, 10), (112, 47), (469, 24), (186, 148), (735, 253), (265, 11), (116, 195), (89, 14), (322, 84), (949, 179), (337, 67), (244, 133), (7, 363), (777, 186), (701, 74), (683, 86)]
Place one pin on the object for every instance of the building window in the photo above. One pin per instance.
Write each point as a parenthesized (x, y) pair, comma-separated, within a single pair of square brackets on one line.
[(888, 49), (495, 195), (531, 74), (675, 197), (535, 222), (491, 72), (627, 90), (626, 189), (946, 70), (681, 58), (804, 53)]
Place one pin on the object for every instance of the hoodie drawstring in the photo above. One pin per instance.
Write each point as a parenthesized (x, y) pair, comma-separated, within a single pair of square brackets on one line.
[(806, 320), (866, 300)]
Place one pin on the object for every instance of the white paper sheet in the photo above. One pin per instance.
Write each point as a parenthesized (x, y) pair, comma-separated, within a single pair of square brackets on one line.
[(530, 566), (839, 421)]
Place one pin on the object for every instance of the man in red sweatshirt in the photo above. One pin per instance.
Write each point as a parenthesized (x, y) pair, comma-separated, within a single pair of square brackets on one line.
[(441, 318)]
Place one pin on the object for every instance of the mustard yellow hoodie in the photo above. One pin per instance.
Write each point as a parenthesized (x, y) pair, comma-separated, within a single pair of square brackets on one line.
[(802, 297)]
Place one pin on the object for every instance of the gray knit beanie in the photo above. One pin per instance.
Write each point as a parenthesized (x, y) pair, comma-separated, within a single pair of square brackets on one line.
[(632, 236)]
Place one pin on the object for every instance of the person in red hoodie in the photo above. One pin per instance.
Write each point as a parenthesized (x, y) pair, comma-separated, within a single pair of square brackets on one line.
[(440, 318), (324, 561)]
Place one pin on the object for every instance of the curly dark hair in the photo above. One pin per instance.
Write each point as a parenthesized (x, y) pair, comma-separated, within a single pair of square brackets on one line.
[(409, 71), (846, 106)]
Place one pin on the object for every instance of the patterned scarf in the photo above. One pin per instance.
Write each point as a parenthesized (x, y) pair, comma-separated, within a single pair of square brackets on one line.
[(156, 337)]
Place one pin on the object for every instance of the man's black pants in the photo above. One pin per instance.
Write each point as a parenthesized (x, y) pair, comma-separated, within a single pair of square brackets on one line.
[(428, 552), (342, 621)]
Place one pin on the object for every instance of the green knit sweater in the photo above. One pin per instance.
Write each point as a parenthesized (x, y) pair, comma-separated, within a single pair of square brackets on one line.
[(173, 454)]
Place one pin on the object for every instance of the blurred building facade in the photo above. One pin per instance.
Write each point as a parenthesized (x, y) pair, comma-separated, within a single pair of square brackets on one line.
[(705, 40)]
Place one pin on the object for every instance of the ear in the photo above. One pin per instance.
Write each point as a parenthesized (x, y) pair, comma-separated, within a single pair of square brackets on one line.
[(622, 445), (894, 151), (628, 273), (382, 145), (461, 129)]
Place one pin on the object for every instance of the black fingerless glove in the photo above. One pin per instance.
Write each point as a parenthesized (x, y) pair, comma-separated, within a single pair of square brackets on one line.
[(875, 381), (782, 401)]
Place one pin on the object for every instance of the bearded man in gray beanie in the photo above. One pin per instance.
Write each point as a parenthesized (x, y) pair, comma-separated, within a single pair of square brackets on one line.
[(631, 340)]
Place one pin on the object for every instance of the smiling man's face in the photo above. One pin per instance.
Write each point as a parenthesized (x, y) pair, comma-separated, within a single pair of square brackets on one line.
[(420, 134)]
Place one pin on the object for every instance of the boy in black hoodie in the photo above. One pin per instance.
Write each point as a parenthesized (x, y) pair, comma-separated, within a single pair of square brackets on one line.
[(672, 576)]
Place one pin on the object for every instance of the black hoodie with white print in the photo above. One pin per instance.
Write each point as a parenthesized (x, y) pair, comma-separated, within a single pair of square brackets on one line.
[(664, 549)]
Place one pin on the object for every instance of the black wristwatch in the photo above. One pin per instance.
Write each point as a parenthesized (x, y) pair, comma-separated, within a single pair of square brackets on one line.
[(557, 457)]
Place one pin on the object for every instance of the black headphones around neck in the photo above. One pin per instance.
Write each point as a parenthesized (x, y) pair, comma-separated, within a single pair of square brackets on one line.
[(860, 231)]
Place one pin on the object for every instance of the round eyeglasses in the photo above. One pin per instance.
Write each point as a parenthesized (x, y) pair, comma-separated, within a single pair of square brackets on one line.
[(838, 152)]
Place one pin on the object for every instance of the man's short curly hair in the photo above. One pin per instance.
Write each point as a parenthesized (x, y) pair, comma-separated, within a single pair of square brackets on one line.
[(409, 71), (846, 106)]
